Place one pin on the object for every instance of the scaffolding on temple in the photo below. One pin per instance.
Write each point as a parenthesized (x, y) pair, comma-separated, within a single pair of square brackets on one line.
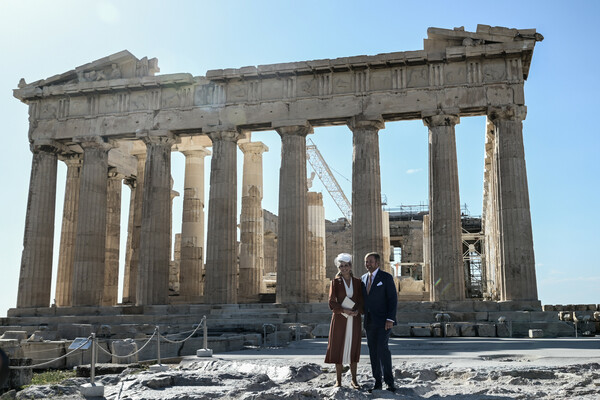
[(324, 173)]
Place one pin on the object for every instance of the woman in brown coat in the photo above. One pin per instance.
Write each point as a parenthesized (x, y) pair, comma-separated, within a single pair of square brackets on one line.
[(346, 302)]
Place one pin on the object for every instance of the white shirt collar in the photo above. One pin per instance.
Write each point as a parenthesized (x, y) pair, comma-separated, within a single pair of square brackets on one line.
[(374, 273)]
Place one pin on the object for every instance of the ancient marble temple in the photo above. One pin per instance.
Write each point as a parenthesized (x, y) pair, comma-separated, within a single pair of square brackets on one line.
[(115, 122)]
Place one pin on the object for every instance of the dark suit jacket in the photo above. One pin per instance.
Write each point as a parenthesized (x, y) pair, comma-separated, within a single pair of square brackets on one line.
[(382, 301)]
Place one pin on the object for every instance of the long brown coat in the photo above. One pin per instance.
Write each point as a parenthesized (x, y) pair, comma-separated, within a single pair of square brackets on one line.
[(337, 329)]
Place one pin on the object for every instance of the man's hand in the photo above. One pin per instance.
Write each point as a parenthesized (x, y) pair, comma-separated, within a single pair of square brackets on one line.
[(388, 325)]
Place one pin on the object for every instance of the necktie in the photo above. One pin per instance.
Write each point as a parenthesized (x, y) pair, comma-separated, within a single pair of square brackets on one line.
[(369, 283)]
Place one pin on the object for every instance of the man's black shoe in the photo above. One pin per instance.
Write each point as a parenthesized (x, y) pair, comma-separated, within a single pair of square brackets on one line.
[(376, 387), (391, 389)]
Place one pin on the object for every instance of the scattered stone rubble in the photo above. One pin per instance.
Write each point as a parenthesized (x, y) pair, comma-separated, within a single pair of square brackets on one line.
[(199, 379)]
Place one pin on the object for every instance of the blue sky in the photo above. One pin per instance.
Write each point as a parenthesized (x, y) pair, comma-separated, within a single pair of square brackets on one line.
[(39, 39)]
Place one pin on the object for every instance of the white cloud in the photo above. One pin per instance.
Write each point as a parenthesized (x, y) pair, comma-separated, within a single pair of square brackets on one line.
[(413, 171)]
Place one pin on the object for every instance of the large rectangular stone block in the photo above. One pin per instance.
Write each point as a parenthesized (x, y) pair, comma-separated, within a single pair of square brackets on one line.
[(15, 335), (122, 350), (521, 316), (504, 330), (321, 330), (421, 331), (19, 377), (461, 306), (468, 330), (41, 352), (72, 331), (486, 330), (550, 329), (452, 330), (436, 330), (468, 316), (485, 306), (425, 316), (536, 333), (401, 330), (313, 318), (541, 316), (412, 306), (533, 305)]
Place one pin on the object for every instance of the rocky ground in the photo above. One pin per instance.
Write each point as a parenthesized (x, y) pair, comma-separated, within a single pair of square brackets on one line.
[(538, 373)]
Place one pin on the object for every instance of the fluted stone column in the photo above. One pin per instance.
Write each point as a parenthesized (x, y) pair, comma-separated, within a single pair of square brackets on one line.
[(251, 224), (155, 240), (316, 248), (35, 277), (174, 265), (89, 261), (490, 217), (191, 269), (516, 239), (427, 278), (292, 274), (367, 231), (131, 182), (385, 229), (221, 280), (444, 210), (135, 228), (113, 235), (68, 233)]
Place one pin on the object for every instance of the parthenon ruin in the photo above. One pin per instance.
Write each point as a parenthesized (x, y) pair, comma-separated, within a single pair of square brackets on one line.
[(114, 121)]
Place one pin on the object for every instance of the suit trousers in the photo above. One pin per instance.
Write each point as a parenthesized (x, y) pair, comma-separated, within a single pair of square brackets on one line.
[(379, 353)]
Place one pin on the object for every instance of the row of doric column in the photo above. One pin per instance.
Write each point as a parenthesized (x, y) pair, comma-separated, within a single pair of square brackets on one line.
[(88, 262)]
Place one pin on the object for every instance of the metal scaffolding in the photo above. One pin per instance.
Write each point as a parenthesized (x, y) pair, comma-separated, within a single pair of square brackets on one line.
[(317, 162)]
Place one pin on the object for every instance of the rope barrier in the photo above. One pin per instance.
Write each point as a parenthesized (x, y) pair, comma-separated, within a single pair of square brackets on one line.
[(97, 346), (51, 361), (135, 352), (203, 321)]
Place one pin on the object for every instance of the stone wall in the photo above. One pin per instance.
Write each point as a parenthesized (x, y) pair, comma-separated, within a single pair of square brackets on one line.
[(338, 240)]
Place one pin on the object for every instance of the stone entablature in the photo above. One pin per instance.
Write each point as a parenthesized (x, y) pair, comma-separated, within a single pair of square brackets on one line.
[(463, 71)]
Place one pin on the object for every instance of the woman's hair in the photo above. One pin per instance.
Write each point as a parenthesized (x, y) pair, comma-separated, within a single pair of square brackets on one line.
[(339, 274)]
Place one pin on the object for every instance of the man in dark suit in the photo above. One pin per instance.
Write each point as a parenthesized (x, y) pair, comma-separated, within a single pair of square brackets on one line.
[(381, 301)]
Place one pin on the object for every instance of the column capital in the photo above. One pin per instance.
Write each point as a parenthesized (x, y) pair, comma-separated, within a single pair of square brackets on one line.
[(48, 146), (114, 174), (508, 112), (92, 142), (295, 128), (71, 159), (225, 135), (441, 120), (157, 137), (367, 123), (199, 152), (130, 181), (253, 147)]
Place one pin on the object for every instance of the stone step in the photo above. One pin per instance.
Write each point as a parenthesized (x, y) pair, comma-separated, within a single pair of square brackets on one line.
[(248, 306), (247, 316), (244, 311)]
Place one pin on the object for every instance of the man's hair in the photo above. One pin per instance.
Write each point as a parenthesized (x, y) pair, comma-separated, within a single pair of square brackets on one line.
[(375, 255)]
